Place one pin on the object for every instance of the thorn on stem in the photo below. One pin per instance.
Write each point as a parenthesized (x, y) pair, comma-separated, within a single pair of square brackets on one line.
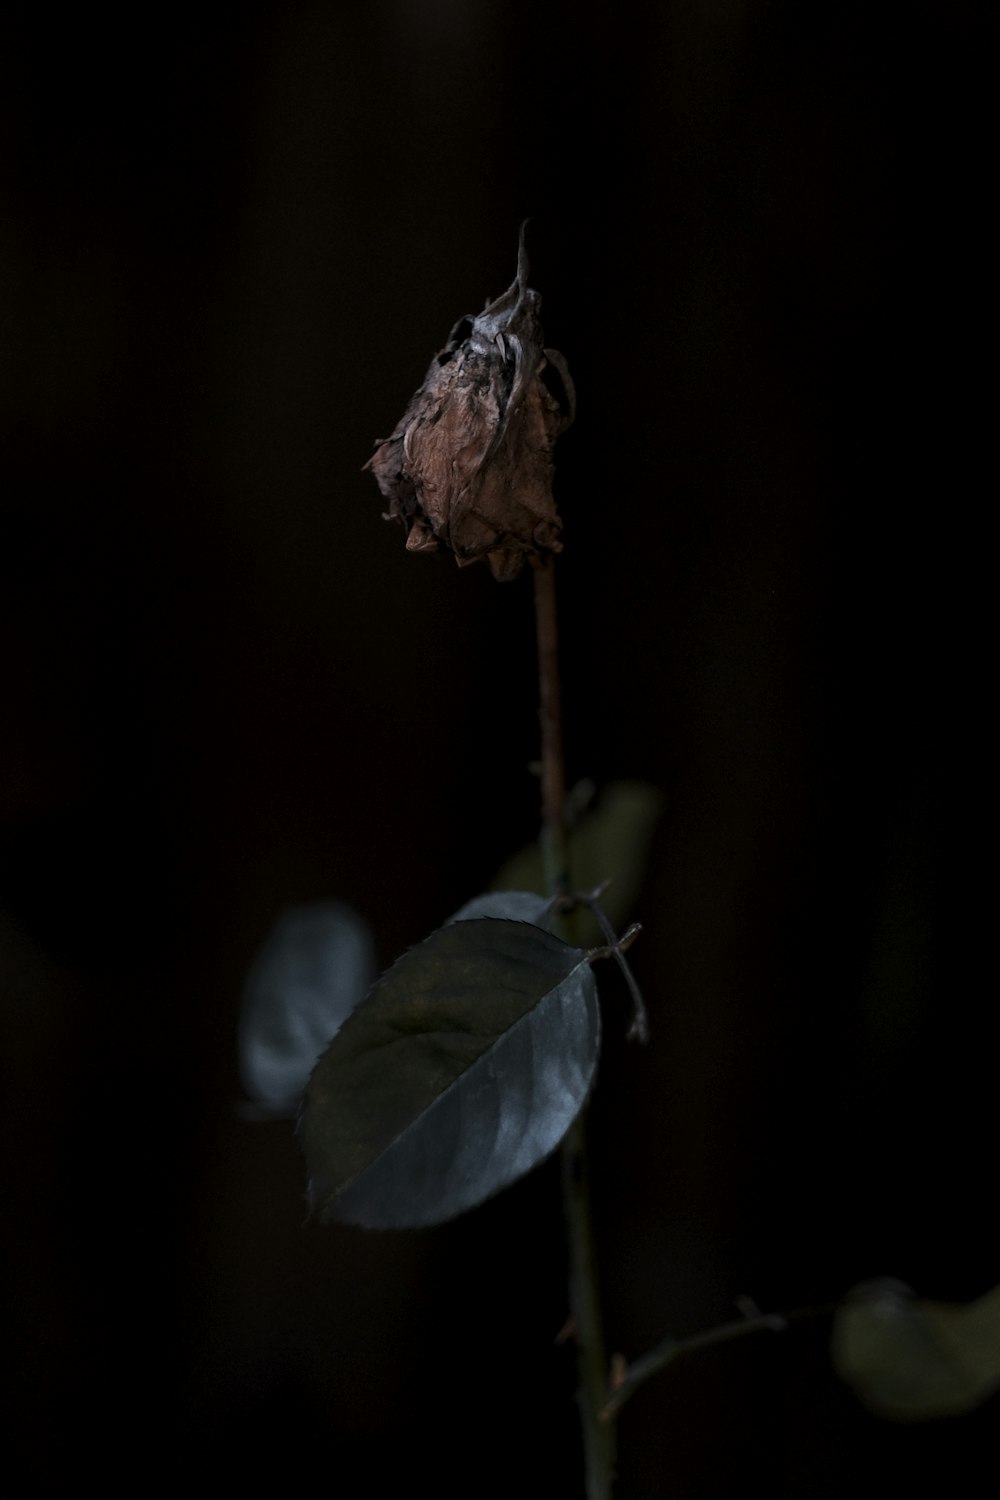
[(628, 937), (567, 1331)]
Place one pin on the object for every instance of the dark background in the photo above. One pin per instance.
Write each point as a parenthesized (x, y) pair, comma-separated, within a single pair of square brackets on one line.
[(231, 243)]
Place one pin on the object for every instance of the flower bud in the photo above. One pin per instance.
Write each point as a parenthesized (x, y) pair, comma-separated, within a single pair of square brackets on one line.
[(469, 467)]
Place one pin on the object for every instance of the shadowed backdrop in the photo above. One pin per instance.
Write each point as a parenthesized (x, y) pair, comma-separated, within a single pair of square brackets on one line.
[(231, 243)]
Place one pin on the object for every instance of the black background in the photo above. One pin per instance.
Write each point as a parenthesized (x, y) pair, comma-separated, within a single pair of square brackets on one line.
[(231, 242)]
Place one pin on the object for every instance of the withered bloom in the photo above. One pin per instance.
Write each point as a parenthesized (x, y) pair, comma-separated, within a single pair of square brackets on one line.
[(469, 467)]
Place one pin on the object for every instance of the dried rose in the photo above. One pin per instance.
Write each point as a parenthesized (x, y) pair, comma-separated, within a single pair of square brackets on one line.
[(469, 467)]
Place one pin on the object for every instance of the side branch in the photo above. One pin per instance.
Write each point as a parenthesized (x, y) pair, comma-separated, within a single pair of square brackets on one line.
[(671, 1350)]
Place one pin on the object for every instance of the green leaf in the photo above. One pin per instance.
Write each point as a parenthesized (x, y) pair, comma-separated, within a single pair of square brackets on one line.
[(909, 1359), (461, 1071), (612, 840)]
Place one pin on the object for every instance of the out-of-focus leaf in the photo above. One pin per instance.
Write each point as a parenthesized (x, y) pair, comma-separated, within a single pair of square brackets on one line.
[(462, 1070), (512, 906), (610, 840), (909, 1359), (311, 971)]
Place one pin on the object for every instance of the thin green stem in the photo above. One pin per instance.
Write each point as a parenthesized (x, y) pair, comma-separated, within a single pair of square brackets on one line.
[(585, 1307)]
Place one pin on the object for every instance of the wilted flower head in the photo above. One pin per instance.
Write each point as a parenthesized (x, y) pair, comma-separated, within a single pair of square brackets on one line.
[(469, 467)]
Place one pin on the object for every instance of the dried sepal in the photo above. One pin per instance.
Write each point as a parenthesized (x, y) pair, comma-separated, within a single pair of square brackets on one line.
[(469, 467)]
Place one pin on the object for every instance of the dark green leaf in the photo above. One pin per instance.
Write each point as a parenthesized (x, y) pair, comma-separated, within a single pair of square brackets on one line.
[(461, 1071), (909, 1359)]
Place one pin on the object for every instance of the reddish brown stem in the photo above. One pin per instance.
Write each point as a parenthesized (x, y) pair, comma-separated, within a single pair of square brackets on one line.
[(584, 1296), (550, 715)]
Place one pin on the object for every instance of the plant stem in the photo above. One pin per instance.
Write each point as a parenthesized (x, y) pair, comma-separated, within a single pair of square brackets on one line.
[(585, 1308), (550, 714), (584, 1298)]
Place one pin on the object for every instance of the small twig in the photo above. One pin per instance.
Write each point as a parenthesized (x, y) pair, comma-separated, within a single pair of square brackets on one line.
[(671, 1350), (616, 949)]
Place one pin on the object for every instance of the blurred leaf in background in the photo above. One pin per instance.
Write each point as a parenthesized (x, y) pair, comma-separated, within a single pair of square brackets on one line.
[(609, 841), (908, 1359), (314, 967)]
